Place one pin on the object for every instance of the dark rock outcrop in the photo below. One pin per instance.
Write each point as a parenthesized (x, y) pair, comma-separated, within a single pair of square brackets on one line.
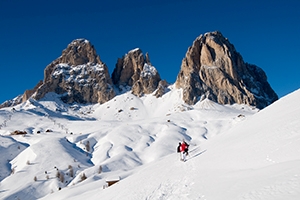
[(135, 70), (213, 69), (78, 75), (12, 102), (161, 88), (28, 93)]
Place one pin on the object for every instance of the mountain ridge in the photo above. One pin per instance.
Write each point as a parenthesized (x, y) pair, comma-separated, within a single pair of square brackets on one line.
[(212, 69)]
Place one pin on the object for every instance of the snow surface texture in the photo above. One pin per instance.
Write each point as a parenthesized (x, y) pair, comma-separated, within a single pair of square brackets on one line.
[(236, 152)]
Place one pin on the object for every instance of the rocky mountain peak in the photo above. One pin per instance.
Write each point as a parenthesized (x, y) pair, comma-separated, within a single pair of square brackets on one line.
[(79, 52), (135, 70), (78, 75), (213, 69)]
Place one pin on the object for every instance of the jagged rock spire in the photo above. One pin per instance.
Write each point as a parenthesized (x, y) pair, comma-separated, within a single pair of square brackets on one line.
[(213, 69), (135, 70), (78, 75)]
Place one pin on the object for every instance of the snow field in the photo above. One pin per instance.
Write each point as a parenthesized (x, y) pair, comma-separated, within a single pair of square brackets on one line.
[(236, 152)]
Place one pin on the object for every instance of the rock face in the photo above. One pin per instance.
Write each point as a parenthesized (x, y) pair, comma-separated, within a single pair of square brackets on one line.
[(17, 100), (78, 75), (135, 70), (28, 93), (21, 98), (213, 69)]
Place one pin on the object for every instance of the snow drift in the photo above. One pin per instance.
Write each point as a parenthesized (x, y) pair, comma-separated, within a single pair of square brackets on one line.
[(236, 152)]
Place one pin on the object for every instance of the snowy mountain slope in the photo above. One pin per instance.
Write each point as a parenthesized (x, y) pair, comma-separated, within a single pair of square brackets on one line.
[(9, 149), (256, 159), (235, 153)]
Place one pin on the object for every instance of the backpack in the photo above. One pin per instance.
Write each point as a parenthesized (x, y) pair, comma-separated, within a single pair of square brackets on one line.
[(187, 147)]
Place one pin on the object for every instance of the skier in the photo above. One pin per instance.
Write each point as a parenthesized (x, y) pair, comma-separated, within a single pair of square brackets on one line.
[(183, 150)]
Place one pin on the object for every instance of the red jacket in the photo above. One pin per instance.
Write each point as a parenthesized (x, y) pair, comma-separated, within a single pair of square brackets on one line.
[(183, 147)]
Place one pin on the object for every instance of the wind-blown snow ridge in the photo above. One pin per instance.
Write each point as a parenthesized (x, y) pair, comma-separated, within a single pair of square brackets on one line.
[(235, 151)]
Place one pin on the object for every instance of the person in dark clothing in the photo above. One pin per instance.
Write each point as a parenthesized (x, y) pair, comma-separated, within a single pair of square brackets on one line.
[(178, 150), (183, 150), (186, 150)]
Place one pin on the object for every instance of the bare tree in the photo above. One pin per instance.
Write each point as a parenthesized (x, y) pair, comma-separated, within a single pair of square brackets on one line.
[(83, 177), (12, 171), (71, 171), (57, 174), (100, 169), (62, 177), (87, 146)]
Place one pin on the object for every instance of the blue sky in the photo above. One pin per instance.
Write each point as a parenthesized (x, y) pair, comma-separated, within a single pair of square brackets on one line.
[(34, 33)]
